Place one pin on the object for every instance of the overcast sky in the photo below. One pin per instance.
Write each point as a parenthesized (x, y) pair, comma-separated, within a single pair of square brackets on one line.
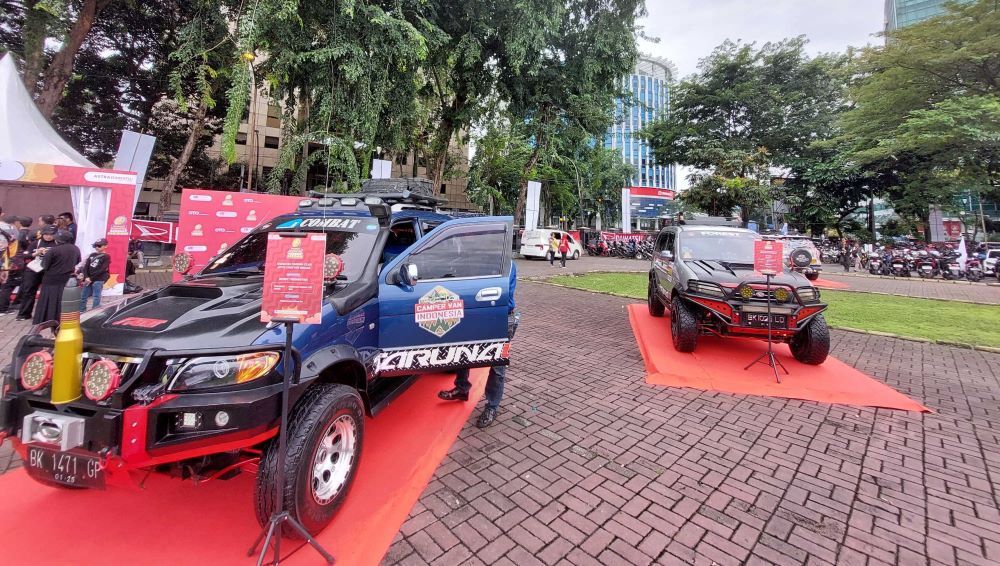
[(690, 29)]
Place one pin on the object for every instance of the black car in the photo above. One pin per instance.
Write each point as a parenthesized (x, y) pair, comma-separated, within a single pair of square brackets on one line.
[(705, 276)]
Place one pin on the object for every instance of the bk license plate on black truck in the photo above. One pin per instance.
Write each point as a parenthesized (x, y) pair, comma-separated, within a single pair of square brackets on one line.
[(759, 320), (67, 468)]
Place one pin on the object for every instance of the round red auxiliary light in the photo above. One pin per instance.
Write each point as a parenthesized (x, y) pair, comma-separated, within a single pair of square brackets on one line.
[(333, 266), (101, 380), (182, 262), (36, 371)]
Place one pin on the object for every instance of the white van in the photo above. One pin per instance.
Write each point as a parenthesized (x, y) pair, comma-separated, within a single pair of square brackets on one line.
[(535, 244)]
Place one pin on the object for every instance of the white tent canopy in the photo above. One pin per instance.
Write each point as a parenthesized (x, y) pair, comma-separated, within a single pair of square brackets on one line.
[(26, 135)]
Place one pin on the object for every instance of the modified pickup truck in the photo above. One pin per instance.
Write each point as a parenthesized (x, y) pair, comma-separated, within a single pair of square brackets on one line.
[(186, 379), (705, 276)]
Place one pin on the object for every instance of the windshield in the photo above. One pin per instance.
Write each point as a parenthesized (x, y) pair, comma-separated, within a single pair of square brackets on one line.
[(354, 248), (731, 247)]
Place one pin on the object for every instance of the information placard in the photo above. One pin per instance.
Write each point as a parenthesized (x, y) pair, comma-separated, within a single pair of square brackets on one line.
[(768, 256), (293, 278)]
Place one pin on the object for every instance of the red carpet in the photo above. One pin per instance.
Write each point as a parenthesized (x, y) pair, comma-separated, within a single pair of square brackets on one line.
[(717, 365), (174, 522), (827, 284)]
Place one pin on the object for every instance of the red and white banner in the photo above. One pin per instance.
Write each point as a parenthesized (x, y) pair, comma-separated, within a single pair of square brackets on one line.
[(293, 278), (24, 172), (211, 221), (153, 231), (767, 256), (618, 236), (652, 192)]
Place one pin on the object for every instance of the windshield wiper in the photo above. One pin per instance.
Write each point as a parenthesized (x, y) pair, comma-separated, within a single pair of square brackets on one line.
[(252, 270)]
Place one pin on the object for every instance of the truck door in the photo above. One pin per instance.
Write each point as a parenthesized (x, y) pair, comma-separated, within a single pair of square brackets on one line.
[(454, 313)]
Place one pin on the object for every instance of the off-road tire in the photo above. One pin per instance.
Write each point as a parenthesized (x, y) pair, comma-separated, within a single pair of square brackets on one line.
[(811, 345), (319, 406), (683, 325), (656, 307), (812, 276)]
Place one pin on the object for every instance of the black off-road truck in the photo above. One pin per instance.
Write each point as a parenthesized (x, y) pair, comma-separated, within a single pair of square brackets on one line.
[(705, 276)]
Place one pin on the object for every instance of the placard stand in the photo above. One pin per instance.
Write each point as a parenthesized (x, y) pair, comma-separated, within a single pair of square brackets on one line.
[(773, 362), (272, 532)]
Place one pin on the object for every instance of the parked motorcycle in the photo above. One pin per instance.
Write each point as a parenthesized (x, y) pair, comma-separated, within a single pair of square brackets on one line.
[(973, 269), (951, 269)]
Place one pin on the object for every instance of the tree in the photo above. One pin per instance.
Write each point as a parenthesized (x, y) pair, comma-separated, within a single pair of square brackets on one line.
[(567, 91), (927, 107), (747, 109)]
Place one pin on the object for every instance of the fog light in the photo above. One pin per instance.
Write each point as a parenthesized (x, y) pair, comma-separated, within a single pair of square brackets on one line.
[(187, 421), (781, 294), (745, 292), (221, 419), (101, 380), (36, 371)]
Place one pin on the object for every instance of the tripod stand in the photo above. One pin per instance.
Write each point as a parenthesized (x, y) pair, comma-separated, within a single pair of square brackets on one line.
[(771, 361), (272, 531)]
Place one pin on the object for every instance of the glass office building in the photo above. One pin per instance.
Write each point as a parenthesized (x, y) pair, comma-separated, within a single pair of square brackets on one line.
[(901, 13), (653, 186)]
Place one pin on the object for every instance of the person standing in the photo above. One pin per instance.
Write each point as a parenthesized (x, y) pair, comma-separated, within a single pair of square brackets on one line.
[(59, 265), (96, 270), (13, 261), (32, 273), (553, 248), (564, 249), (845, 258), (66, 222), (498, 374)]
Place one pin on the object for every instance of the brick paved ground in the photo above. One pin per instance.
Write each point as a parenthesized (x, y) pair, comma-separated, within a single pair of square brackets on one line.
[(588, 465), (527, 268)]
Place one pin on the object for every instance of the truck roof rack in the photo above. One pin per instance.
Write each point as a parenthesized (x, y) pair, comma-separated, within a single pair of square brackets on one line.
[(403, 197)]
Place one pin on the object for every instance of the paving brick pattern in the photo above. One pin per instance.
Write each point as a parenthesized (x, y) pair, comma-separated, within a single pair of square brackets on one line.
[(589, 465)]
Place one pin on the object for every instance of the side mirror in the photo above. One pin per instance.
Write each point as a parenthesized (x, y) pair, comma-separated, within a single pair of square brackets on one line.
[(666, 255), (408, 274)]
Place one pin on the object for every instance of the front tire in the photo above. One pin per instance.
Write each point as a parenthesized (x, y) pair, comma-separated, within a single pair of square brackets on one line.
[(811, 345), (653, 302), (325, 436), (683, 326), (576, 254)]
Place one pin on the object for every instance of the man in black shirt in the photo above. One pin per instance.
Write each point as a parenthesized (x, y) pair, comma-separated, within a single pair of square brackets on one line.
[(95, 272), (14, 259), (65, 222)]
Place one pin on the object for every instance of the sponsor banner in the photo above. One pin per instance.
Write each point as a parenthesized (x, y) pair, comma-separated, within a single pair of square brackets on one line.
[(211, 221), (653, 192), (768, 257), (618, 236), (408, 360), (25, 172), (439, 311), (153, 231), (293, 278)]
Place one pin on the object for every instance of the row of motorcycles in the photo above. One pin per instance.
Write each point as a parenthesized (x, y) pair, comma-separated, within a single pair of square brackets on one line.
[(926, 264), (625, 249)]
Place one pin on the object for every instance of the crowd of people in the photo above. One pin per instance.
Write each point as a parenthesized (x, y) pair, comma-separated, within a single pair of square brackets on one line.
[(40, 259)]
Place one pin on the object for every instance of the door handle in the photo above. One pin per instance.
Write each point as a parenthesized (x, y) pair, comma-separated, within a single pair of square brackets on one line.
[(489, 294)]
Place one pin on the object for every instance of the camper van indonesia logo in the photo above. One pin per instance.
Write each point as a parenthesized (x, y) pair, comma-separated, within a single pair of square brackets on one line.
[(439, 311)]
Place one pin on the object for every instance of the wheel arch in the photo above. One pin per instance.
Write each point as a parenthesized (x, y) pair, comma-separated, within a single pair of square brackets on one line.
[(338, 364)]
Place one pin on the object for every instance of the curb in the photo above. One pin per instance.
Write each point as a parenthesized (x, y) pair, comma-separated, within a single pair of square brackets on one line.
[(823, 290), (963, 345)]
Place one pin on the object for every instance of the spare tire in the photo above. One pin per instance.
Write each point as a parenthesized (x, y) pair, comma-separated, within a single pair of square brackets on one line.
[(801, 257)]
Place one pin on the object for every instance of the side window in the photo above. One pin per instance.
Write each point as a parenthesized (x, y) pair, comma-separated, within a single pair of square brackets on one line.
[(671, 238), (401, 236), (464, 251), (661, 242)]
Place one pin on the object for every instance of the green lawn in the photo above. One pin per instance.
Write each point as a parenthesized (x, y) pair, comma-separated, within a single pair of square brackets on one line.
[(917, 318)]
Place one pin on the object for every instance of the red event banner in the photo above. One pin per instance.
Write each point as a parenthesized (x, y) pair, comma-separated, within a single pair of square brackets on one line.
[(767, 256), (293, 278), (211, 221), (653, 192)]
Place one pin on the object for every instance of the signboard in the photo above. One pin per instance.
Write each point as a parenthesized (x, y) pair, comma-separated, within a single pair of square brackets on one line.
[(767, 257), (211, 221), (531, 205), (293, 278), (153, 231), (25, 172), (953, 229)]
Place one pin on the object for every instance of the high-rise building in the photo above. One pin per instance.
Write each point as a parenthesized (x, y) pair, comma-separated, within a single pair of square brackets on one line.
[(653, 186), (901, 13)]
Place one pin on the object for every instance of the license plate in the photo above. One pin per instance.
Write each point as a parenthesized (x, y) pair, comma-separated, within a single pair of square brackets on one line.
[(759, 320), (925, 268), (68, 468)]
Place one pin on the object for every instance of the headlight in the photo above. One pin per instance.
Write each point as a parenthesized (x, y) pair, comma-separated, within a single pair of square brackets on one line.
[(219, 371), (36, 371), (101, 380), (705, 288), (808, 294)]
